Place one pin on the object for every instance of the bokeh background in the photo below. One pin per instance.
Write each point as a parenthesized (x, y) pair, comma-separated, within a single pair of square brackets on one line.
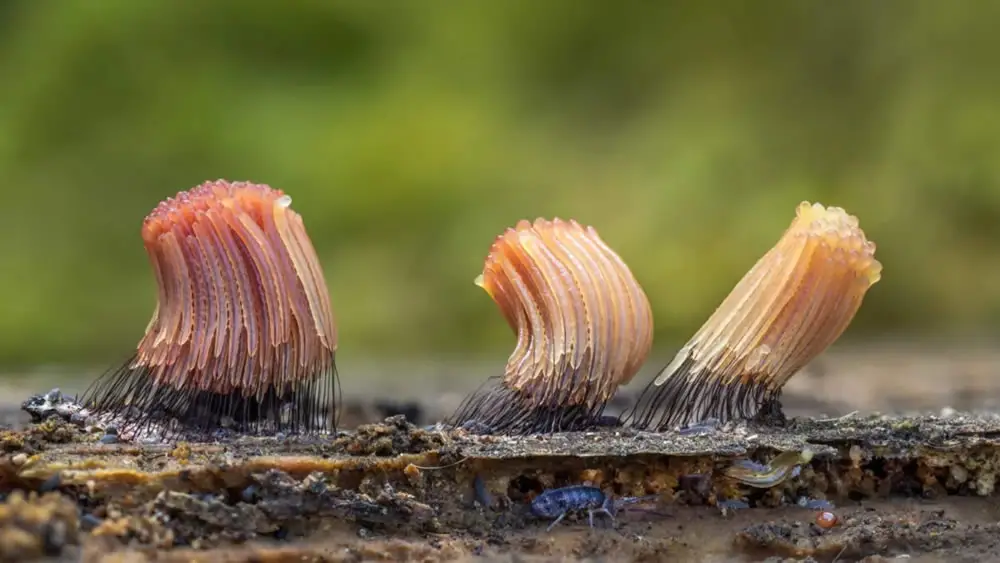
[(410, 133)]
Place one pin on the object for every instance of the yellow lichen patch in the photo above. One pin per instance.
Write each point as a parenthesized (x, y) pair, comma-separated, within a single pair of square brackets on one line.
[(181, 453), (39, 469), (128, 477), (11, 441), (302, 465), (56, 430)]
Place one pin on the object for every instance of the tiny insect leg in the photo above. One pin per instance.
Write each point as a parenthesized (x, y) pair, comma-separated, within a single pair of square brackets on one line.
[(604, 509), (556, 521)]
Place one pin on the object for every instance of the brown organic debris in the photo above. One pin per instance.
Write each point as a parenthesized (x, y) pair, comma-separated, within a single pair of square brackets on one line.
[(307, 497), (790, 307), (33, 527), (584, 326)]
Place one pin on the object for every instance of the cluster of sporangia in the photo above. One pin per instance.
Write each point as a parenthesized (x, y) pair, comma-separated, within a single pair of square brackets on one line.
[(243, 333)]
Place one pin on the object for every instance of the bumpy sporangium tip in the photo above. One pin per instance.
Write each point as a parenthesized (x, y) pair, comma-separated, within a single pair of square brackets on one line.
[(584, 326), (790, 307), (243, 333)]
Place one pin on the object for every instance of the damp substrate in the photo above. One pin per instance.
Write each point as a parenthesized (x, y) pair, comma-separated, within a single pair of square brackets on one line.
[(917, 486)]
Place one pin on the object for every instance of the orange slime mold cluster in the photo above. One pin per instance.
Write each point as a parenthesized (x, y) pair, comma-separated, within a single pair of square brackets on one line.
[(584, 326), (791, 306), (243, 328)]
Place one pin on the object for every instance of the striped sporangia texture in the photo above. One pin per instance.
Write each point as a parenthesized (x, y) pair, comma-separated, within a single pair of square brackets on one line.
[(584, 326), (790, 307), (243, 332)]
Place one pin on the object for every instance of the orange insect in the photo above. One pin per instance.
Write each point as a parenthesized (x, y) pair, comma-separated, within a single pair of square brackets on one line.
[(790, 307), (243, 332), (584, 326)]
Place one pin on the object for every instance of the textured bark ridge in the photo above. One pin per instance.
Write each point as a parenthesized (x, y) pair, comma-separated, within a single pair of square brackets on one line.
[(916, 485)]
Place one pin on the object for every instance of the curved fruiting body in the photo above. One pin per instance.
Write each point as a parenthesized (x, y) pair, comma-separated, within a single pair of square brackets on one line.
[(583, 323), (243, 332), (790, 307)]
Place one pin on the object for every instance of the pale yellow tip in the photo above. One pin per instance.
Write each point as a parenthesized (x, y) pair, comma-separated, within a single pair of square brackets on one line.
[(794, 303), (839, 230), (479, 281)]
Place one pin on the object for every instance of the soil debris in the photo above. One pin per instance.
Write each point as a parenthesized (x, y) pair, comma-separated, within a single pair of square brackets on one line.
[(34, 526), (869, 532), (275, 506), (920, 486), (393, 437)]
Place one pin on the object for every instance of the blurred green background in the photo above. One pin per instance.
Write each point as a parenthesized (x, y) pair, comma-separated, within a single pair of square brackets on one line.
[(409, 134)]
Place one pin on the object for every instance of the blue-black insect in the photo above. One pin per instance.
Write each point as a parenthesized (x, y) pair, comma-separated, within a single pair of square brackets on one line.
[(557, 503)]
